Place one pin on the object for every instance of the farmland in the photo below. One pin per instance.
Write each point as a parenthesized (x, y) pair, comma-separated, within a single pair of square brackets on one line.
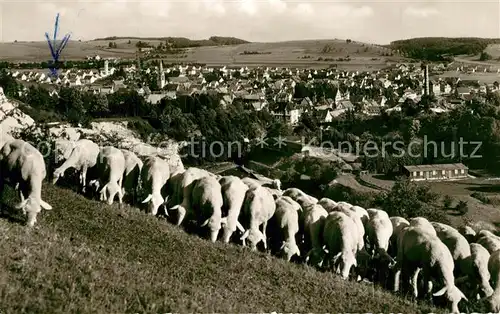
[(306, 53), (85, 256)]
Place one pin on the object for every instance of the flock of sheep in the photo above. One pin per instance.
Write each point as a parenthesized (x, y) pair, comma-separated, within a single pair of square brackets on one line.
[(350, 240)]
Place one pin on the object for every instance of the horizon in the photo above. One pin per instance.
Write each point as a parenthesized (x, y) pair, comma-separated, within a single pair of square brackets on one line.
[(370, 21)]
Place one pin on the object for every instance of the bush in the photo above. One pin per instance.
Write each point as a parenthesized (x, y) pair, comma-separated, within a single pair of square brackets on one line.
[(447, 201), (462, 207), (481, 197)]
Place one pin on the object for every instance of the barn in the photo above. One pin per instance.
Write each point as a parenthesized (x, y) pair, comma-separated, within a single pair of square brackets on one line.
[(436, 172)]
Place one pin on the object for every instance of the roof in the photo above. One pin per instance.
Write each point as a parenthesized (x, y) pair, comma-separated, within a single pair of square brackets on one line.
[(436, 167)]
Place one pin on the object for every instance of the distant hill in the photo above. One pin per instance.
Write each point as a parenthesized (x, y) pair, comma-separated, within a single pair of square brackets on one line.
[(183, 42), (441, 48)]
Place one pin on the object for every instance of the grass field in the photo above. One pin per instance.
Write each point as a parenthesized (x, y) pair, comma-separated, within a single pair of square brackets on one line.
[(85, 256), (483, 78), (292, 53)]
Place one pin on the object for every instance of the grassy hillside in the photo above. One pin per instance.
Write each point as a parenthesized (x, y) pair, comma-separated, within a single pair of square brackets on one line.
[(85, 256), (291, 53), (182, 42)]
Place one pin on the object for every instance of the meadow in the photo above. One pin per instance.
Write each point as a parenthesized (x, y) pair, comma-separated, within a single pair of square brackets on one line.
[(85, 256)]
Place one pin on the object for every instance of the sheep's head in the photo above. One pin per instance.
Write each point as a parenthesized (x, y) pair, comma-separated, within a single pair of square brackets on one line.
[(453, 295), (214, 225), (58, 173), (31, 207), (228, 229), (290, 249), (154, 202), (254, 236), (345, 261)]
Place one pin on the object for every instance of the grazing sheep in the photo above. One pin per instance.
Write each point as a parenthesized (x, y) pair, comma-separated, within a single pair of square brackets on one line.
[(468, 233), (132, 173), (286, 225), (110, 166), (233, 194), (23, 166), (379, 230), (398, 224), (362, 213), (300, 197), (82, 157), (341, 242), (182, 187), (419, 248), (154, 175), (422, 223), (313, 224), (206, 201), (258, 208), (475, 269), (456, 243), (490, 241), (359, 228), (494, 269), (251, 183), (327, 204)]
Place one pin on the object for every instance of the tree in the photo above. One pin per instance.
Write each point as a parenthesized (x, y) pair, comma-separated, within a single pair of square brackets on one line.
[(484, 56)]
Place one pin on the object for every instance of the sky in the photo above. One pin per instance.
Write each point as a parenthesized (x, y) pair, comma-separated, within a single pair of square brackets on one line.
[(373, 21)]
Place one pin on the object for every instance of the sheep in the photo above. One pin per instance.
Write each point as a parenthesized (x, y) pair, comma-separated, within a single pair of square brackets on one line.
[(82, 157), (23, 165), (468, 233), (286, 225), (490, 241), (419, 248), (422, 223), (206, 201), (233, 194), (360, 229), (182, 186), (494, 269), (398, 223), (132, 173), (154, 175), (313, 222), (362, 213), (110, 166), (327, 204), (258, 208), (456, 243), (340, 242), (475, 269), (297, 195), (251, 183)]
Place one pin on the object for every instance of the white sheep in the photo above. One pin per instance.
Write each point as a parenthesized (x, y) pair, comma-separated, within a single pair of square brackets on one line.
[(422, 223), (327, 204), (456, 243), (490, 241), (362, 213), (340, 240), (110, 166), (379, 230), (419, 248), (206, 202), (359, 227), (398, 223), (132, 173), (313, 223), (23, 166), (299, 196), (475, 269), (468, 233), (286, 223), (258, 208), (154, 175), (83, 157), (182, 186), (494, 268), (233, 194)]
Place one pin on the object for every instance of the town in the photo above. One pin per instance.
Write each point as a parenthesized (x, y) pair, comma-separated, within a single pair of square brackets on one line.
[(167, 174)]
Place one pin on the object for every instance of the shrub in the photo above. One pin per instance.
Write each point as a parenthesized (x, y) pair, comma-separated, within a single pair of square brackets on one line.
[(447, 201), (462, 207)]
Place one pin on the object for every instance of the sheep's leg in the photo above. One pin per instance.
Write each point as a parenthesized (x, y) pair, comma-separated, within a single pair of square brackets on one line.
[(414, 282), (83, 178)]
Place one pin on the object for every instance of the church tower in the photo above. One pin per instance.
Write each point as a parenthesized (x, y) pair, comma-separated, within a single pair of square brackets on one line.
[(162, 76)]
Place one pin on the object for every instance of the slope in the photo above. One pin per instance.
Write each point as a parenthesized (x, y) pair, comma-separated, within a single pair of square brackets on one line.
[(86, 257)]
